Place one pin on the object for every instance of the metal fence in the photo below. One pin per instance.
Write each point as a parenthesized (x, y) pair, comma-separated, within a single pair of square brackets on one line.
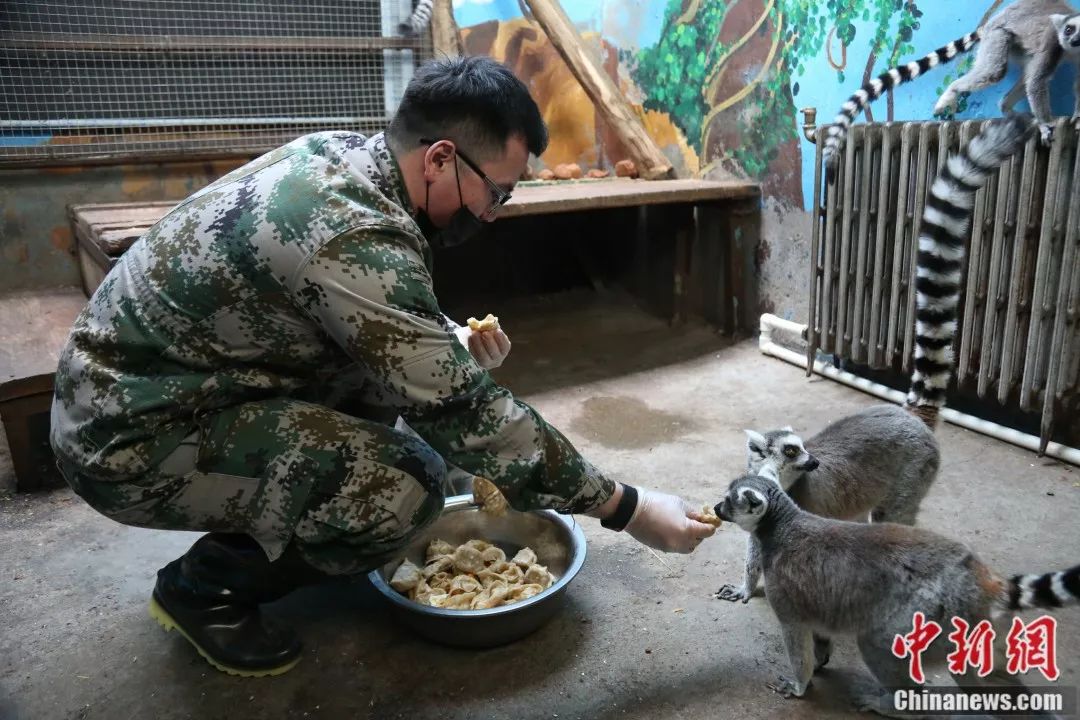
[(1019, 329), (109, 80)]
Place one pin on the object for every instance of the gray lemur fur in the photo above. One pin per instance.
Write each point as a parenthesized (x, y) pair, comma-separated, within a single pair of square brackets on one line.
[(877, 463), (1040, 34), (826, 577)]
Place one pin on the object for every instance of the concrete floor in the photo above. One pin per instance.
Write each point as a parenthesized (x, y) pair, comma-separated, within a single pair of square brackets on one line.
[(640, 636)]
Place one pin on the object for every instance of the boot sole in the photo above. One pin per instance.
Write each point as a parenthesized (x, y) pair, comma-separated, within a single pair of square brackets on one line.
[(165, 620)]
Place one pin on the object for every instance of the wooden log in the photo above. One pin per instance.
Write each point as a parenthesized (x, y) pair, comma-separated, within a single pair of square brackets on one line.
[(445, 36), (609, 101)]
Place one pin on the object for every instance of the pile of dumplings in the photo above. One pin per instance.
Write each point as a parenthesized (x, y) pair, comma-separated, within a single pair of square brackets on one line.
[(472, 576)]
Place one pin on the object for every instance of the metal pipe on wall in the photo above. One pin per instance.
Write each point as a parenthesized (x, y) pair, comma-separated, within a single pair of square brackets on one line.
[(770, 323)]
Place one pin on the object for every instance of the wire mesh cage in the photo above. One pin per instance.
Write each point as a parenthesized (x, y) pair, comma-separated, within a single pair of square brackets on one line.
[(123, 80)]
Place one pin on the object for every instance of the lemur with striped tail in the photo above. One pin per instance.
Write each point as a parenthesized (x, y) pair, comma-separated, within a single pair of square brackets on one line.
[(1039, 33), (880, 462), (826, 578)]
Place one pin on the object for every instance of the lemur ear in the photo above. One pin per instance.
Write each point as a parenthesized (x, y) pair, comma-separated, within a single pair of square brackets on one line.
[(755, 441), (1059, 21), (753, 500), (788, 428)]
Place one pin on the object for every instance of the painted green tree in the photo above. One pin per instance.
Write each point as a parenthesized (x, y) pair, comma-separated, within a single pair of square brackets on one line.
[(673, 73)]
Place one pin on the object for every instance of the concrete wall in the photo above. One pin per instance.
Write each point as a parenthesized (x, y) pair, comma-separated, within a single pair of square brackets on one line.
[(37, 247), (718, 84)]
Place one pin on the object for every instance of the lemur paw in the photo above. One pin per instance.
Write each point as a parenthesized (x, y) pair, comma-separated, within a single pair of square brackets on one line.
[(787, 688), (945, 106), (733, 594), (1046, 132)]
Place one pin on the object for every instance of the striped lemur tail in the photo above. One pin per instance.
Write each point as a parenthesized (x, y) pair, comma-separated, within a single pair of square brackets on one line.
[(1050, 590), (877, 87), (946, 222), (418, 20)]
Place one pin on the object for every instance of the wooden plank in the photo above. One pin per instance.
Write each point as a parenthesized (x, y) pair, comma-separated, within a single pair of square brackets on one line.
[(553, 197), (35, 326), (534, 198), (146, 213), (601, 89)]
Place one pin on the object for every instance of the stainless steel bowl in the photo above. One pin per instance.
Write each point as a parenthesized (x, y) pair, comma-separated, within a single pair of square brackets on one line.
[(556, 539)]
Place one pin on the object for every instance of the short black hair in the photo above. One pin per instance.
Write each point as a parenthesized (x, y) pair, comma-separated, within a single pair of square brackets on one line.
[(474, 101)]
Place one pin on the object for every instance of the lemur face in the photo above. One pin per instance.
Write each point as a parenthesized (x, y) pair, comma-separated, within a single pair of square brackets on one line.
[(1068, 32), (779, 454), (745, 504)]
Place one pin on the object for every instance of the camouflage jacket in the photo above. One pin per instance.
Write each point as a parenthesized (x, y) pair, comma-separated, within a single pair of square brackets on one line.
[(294, 271)]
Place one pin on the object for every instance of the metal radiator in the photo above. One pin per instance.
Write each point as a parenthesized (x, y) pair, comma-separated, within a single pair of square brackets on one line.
[(1018, 343)]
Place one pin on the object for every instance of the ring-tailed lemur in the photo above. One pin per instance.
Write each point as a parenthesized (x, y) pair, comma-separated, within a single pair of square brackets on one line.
[(1041, 33), (825, 578), (881, 461)]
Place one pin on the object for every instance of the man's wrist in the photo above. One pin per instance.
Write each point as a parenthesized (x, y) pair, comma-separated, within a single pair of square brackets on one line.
[(624, 510)]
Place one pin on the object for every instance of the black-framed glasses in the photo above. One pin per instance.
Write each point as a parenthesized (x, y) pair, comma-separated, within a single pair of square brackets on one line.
[(499, 197)]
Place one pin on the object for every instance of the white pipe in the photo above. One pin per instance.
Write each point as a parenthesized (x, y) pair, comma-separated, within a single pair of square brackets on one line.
[(770, 322)]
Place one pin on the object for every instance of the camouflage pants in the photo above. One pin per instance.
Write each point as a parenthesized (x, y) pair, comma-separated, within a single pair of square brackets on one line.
[(349, 492)]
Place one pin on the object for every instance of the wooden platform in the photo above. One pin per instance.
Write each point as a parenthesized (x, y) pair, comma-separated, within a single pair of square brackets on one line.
[(34, 327), (105, 231), (538, 197)]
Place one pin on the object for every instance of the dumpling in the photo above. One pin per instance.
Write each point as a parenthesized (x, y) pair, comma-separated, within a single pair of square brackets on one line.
[(461, 601), (440, 564), (440, 581), (465, 584), (513, 574), (524, 592), (525, 557), (436, 548), (493, 555), (539, 575), (492, 596), (468, 559), (406, 577)]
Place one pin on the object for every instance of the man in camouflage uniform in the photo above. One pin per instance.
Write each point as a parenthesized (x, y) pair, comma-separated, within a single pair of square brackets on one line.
[(239, 371)]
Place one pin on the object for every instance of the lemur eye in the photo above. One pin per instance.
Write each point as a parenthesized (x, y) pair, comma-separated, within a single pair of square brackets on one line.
[(791, 451), (1069, 29)]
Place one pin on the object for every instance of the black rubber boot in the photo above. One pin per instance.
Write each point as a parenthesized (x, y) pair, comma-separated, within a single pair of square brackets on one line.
[(212, 596)]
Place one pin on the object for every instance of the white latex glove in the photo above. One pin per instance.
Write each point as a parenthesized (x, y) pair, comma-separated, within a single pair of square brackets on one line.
[(666, 522), (489, 348)]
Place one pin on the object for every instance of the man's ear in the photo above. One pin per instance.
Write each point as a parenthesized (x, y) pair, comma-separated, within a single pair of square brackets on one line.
[(437, 159)]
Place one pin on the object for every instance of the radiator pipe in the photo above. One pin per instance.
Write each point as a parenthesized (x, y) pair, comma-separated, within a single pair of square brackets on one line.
[(809, 125), (770, 323)]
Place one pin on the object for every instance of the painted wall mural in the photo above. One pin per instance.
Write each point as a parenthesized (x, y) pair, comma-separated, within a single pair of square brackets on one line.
[(719, 83)]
